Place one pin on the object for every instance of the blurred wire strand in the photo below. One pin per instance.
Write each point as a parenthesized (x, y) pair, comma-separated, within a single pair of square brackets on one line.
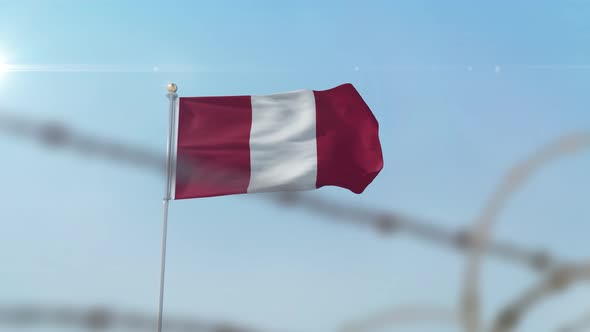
[(58, 135), (555, 282), (102, 318), (483, 225)]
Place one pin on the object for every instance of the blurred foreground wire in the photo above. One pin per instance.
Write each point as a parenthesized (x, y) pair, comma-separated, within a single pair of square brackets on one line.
[(555, 282), (59, 135), (102, 318), (483, 226), (557, 274)]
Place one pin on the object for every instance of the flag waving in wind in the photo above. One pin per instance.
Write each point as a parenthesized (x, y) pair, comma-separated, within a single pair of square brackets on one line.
[(300, 140)]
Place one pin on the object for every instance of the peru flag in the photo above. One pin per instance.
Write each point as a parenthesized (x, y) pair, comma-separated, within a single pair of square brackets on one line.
[(292, 141)]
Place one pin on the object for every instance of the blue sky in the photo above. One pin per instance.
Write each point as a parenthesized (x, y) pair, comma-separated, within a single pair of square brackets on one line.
[(462, 91)]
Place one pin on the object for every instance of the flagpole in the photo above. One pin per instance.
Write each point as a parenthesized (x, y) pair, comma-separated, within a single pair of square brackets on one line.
[(172, 96)]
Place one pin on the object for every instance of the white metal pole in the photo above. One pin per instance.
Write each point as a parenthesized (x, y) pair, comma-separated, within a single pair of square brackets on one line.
[(172, 88)]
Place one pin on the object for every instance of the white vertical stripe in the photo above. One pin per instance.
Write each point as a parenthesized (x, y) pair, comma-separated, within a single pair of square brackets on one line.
[(283, 152), (176, 115)]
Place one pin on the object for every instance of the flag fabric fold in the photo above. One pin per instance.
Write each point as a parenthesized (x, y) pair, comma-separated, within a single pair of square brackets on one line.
[(293, 141)]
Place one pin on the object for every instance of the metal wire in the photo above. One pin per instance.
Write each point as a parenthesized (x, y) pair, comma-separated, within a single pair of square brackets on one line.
[(558, 273)]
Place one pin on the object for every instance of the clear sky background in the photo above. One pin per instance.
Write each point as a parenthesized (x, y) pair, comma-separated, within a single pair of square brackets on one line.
[(462, 90)]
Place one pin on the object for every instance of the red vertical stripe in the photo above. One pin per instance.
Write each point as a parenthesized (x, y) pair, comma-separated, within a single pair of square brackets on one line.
[(347, 133), (213, 155)]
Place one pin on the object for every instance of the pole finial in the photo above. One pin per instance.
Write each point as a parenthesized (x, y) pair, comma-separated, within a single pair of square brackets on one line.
[(172, 88)]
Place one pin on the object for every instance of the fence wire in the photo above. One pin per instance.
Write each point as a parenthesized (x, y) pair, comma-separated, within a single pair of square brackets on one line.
[(475, 240)]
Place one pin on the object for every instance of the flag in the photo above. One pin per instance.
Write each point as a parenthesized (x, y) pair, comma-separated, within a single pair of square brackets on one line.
[(293, 141)]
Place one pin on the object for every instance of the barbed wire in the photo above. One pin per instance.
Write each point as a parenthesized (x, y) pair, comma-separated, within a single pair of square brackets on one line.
[(555, 282), (473, 241), (58, 135), (483, 225), (479, 239), (55, 134), (103, 318), (389, 223)]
